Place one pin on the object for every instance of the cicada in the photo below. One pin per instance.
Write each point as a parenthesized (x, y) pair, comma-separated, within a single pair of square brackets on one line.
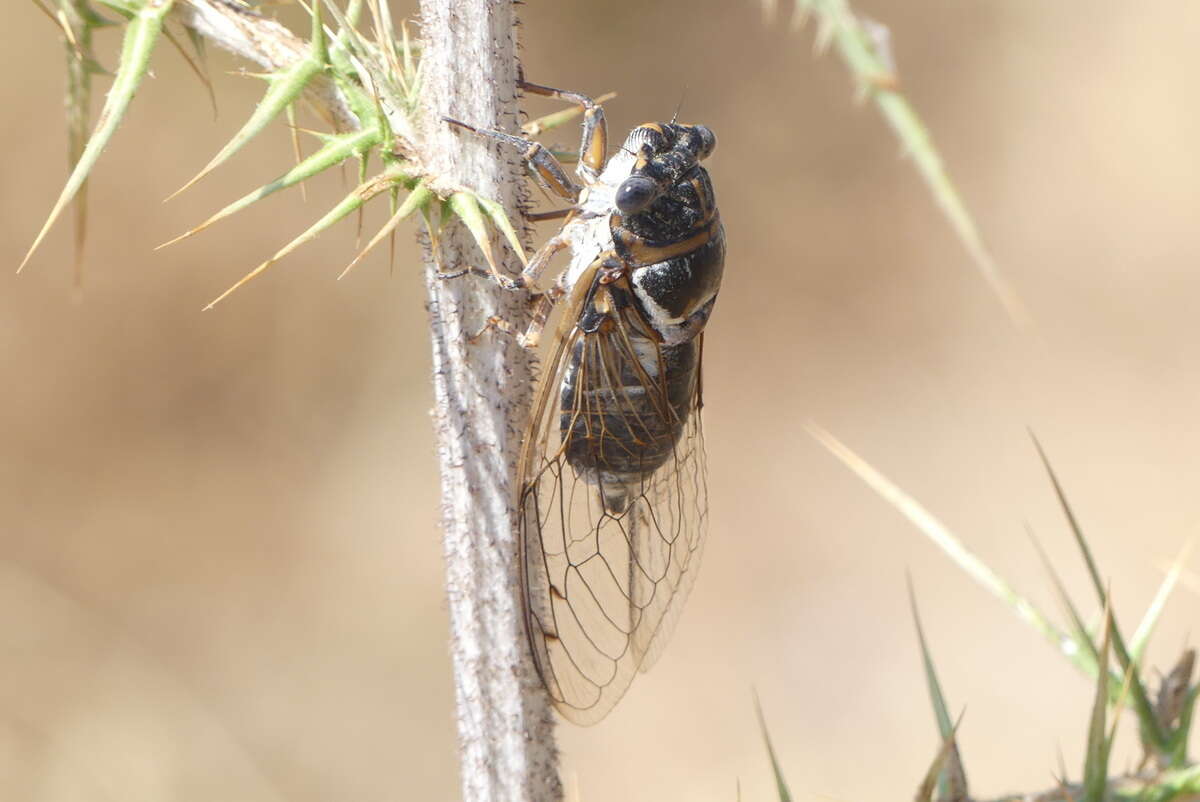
[(612, 495)]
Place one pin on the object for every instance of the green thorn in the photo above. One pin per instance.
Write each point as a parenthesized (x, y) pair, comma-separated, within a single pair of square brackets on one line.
[(952, 781), (841, 26), (781, 786), (336, 150), (944, 539), (466, 206), (1095, 766), (1137, 646), (504, 225), (417, 199), (360, 195), (140, 38), (1150, 729), (1082, 641), (284, 88), (930, 782)]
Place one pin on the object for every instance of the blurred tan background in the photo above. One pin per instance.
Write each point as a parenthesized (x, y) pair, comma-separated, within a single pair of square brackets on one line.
[(220, 574)]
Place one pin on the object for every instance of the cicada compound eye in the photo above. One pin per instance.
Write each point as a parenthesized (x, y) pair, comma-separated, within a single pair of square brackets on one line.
[(635, 194), (708, 141)]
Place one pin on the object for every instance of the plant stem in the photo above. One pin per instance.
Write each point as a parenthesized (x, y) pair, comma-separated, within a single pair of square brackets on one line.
[(482, 392), (482, 389)]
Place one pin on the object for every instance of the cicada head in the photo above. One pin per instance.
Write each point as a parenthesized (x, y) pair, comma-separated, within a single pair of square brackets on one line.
[(667, 192)]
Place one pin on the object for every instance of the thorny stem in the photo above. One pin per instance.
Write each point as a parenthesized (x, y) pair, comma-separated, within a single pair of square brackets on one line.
[(506, 738), (482, 391)]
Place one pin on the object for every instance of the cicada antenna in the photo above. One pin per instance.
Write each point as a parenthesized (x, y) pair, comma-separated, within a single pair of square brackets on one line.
[(679, 105)]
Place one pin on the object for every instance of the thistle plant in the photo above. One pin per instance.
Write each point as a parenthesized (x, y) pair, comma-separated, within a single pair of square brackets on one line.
[(383, 96), (382, 93), (1109, 660)]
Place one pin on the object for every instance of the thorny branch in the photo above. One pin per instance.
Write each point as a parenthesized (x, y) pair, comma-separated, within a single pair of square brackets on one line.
[(482, 389)]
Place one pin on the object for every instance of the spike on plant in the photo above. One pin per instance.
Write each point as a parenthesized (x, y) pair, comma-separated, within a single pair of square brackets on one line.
[(929, 784), (781, 786), (862, 46), (284, 87), (352, 202), (417, 200), (952, 777), (337, 149), (1172, 714), (141, 36)]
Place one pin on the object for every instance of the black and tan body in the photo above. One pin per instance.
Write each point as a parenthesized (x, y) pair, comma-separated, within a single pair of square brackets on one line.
[(612, 500)]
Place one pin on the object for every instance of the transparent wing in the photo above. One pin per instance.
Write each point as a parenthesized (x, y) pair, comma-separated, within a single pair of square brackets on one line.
[(609, 558)]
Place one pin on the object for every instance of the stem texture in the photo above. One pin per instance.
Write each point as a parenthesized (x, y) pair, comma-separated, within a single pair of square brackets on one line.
[(482, 392)]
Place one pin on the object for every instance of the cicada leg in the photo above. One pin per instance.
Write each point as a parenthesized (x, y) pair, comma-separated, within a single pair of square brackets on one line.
[(593, 147), (541, 314), (529, 339), (544, 304), (557, 214), (547, 169)]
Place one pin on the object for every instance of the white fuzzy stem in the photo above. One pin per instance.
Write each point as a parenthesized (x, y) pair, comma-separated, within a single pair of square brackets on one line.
[(506, 729), (505, 725)]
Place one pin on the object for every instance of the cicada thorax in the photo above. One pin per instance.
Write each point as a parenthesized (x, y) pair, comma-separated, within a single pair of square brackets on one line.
[(668, 232)]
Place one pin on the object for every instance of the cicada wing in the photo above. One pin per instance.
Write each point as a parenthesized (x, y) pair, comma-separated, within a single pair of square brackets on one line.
[(606, 563), (674, 512)]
